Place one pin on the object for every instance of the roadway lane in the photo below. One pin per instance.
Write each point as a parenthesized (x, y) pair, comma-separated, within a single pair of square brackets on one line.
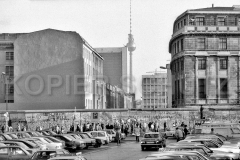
[(128, 150)]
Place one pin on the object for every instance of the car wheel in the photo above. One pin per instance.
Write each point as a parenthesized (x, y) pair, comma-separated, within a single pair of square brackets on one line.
[(86, 147), (142, 148)]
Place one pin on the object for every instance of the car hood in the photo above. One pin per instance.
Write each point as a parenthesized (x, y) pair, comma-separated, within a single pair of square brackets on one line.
[(225, 149), (219, 154)]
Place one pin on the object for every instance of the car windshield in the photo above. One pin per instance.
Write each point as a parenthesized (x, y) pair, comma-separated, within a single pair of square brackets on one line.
[(84, 136), (13, 136), (21, 145), (89, 135), (235, 130), (69, 138), (32, 134), (76, 136), (151, 136), (101, 134), (8, 137), (53, 139)]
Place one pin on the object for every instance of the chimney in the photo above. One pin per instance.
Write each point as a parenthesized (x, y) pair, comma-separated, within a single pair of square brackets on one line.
[(212, 5)]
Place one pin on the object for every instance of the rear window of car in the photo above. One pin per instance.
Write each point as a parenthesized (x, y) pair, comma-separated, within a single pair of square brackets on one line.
[(235, 130), (151, 135), (101, 134)]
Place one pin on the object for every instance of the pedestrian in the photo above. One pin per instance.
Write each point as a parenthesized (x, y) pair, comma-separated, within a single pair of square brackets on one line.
[(165, 126), (185, 130), (18, 127), (182, 125), (10, 129), (137, 132), (179, 134), (72, 128), (78, 128), (118, 137), (126, 130), (84, 127), (212, 131), (57, 130)]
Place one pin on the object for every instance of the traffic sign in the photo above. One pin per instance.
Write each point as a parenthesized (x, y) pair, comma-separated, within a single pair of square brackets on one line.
[(95, 115)]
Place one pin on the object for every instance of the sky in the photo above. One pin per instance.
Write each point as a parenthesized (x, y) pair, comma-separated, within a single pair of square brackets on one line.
[(105, 23)]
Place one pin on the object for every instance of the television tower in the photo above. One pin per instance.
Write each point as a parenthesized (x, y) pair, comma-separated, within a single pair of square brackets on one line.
[(131, 47)]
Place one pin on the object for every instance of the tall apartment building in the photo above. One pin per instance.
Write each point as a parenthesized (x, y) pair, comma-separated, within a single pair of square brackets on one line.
[(115, 66), (7, 67), (205, 48), (154, 90), (53, 70)]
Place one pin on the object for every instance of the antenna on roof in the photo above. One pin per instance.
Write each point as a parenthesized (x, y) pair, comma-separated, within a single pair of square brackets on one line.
[(212, 5)]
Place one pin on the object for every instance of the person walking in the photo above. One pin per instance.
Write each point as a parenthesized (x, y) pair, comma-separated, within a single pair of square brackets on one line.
[(137, 132), (185, 130), (179, 134), (165, 126), (118, 137)]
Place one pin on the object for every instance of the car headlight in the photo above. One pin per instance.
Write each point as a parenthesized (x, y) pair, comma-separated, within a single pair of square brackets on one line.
[(142, 142)]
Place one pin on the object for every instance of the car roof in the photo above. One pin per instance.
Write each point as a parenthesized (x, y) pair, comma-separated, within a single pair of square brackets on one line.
[(183, 146), (197, 139), (152, 133), (51, 150), (175, 153), (66, 157)]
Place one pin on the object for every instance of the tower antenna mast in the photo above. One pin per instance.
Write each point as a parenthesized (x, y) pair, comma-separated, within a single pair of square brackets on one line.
[(131, 47)]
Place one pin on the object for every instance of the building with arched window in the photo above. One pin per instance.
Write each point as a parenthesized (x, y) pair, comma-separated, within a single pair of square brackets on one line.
[(205, 51)]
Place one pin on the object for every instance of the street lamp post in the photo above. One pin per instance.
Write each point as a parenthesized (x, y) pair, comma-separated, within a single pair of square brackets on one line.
[(6, 81)]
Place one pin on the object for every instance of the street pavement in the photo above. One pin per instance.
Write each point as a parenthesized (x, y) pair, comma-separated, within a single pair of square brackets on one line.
[(128, 150)]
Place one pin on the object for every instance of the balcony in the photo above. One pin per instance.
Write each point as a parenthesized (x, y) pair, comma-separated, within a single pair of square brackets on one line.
[(207, 29)]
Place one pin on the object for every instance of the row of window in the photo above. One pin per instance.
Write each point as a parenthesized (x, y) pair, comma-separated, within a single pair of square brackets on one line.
[(177, 66), (202, 88), (202, 64), (154, 101), (9, 56), (205, 44), (154, 80), (208, 21)]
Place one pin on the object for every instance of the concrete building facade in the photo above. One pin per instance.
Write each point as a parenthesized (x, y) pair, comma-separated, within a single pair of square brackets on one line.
[(154, 90), (115, 66), (205, 48), (52, 70)]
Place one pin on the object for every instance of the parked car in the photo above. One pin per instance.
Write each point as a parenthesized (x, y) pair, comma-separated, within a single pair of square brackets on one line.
[(69, 142), (86, 139), (201, 149), (5, 137), (78, 156), (101, 135), (34, 133), (45, 154), (49, 144), (20, 144), (99, 141), (27, 143), (12, 135), (55, 140), (152, 140), (191, 155), (21, 134), (169, 133), (14, 153), (41, 145), (112, 132), (228, 131)]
